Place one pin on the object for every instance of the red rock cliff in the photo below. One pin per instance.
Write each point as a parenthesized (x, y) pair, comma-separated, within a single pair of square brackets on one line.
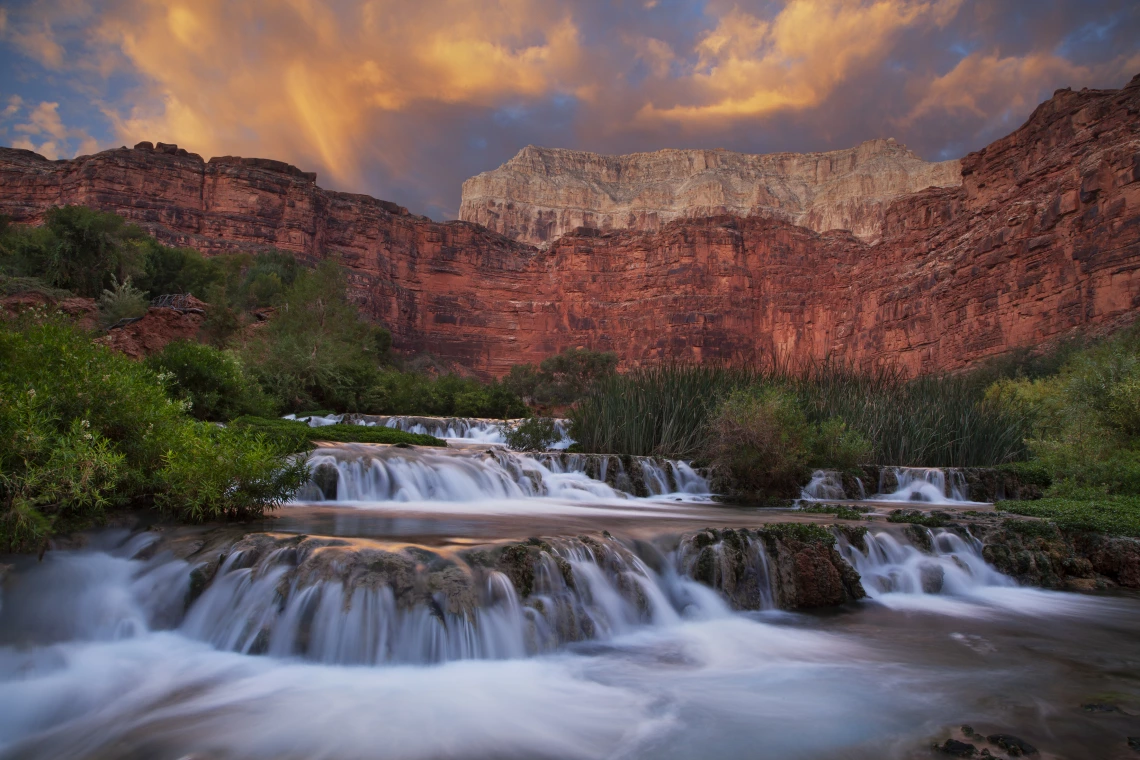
[(1042, 238)]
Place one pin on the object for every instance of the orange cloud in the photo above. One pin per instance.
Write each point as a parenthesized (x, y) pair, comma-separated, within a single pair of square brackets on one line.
[(984, 84), (307, 79), (748, 67)]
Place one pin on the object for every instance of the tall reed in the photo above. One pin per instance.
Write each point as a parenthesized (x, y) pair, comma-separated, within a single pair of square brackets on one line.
[(937, 421)]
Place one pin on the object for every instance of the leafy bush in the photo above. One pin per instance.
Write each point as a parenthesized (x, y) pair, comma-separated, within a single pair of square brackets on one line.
[(296, 436), (532, 434), (761, 440), (562, 378), (121, 301), (397, 392), (212, 382), (178, 270), (142, 443), (211, 472), (835, 446), (50, 478)]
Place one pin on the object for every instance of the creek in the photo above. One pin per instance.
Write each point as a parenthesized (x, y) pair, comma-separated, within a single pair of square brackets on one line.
[(380, 616)]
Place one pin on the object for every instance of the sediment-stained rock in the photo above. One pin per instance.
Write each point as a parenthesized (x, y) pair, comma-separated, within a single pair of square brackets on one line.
[(1042, 239)]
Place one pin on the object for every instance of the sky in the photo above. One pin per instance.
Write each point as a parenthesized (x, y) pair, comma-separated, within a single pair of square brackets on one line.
[(404, 99)]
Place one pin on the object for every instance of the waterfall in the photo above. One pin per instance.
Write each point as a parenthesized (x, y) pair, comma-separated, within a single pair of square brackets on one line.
[(925, 484), (390, 474), (331, 606), (825, 485), (954, 566)]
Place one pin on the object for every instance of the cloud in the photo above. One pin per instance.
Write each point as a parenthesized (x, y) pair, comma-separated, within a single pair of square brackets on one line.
[(404, 100), (44, 123), (748, 66)]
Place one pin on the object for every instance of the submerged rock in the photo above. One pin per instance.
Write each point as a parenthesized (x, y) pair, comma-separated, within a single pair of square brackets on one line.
[(1014, 746), (955, 748)]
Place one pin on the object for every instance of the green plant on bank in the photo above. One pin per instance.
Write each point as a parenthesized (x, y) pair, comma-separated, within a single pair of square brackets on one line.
[(213, 383), (142, 444), (121, 301), (532, 434), (936, 421), (1091, 511), (297, 436)]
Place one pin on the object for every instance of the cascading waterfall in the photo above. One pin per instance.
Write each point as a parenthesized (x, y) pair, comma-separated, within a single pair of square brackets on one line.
[(384, 474), (954, 566), (925, 484)]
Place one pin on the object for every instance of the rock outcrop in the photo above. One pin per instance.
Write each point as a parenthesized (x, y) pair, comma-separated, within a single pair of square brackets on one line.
[(1041, 239), (544, 193)]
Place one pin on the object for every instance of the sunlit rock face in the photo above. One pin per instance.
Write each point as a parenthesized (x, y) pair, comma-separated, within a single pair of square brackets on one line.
[(544, 193), (1041, 238)]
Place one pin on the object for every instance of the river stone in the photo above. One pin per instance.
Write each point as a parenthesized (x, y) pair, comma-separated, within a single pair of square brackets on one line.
[(932, 578), (956, 748), (1014, 746)]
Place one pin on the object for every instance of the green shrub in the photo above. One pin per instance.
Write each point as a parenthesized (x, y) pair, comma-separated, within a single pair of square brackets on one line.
[(562, 378), (121, 301), (761, 440), (142, 443), (835, 446), (212, 382), (532, 434), (211, 472), (169, 270), (50, 478)]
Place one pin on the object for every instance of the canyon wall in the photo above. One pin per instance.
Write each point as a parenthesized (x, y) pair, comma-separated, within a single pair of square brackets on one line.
[(1042, 238), (543, 193)]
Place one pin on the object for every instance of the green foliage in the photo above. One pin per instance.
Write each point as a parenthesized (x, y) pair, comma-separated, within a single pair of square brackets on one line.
[(50, 477), (316, 351), (532, 434), (841, 511), (761, 440), (297, 436), (562, 378), (178, 270), (1086, 417), (917, 517), (807, 533), (121, 301), (211, 472), (142, 444), (446, 396), (212, 382), (934, 421), (836, 446), (86, 248), (1085, 511)]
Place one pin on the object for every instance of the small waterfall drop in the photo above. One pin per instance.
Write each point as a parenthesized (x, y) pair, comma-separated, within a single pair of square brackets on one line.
[(954, 566), (390, 474), (925, 484)]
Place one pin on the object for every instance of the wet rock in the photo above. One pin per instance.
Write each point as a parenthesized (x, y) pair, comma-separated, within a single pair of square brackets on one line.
[(1134, 743), (955, 748), (1013, 746), (1100, 707), (932, 578), (326, 478)]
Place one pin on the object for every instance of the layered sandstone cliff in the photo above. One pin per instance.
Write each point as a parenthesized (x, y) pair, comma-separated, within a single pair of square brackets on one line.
[(543, 193), (1041, 239)]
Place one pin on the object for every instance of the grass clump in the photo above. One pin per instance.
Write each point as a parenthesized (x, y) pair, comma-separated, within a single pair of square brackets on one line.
[(879, 417), (841, 511), (1116, 515), (297, 436), (917, 517)]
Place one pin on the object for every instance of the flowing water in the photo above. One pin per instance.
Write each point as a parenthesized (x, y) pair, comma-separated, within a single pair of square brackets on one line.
[(396, 639)]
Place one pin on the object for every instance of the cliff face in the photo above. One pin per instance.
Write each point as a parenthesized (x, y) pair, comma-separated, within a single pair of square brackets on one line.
[(1041, 238), (544, 193)]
